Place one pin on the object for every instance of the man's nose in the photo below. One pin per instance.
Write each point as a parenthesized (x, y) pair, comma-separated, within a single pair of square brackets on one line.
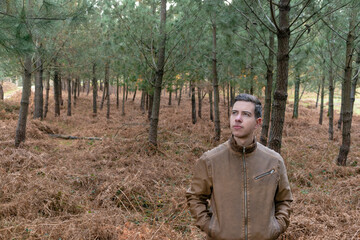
[(238, 118)]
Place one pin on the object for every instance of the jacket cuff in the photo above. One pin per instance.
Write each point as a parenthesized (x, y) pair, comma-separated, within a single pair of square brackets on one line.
[(206, 228), (282, 224)]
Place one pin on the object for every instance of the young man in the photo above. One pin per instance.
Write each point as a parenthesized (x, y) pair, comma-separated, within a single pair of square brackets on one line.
[(246, 183)]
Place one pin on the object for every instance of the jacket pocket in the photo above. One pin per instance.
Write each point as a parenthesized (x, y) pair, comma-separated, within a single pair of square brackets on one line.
[(264, 174)]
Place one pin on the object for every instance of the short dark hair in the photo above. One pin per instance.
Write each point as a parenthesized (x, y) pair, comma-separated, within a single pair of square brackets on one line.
[(250, 98)]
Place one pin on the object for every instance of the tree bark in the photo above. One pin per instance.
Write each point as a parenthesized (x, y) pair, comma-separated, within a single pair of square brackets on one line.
[(331, 99), (107, 81), (346, 102), (215, 84), (317, 95), (180, 94), (232, 97), (199, 102), (123, 100), (117, 92), (150, 104), (193, 103), (88, 87), (296, 96), (280, 94), (322, 99), (211, 105), (61, 88), (57, 87), (159, 76), (47, 94), (76, 89), (354, 85), (94, 84), (268, 91), (127, 91), (69, 96), (1, 92), (170, 96), (142, 101), (104, 95), (39, 98), (24, 104), (134, 96), (228, 98)]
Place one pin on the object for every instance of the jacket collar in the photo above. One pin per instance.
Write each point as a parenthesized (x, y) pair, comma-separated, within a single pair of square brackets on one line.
[(239, 149)]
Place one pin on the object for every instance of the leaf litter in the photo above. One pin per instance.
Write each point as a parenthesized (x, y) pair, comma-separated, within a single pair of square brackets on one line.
[(123, 188)]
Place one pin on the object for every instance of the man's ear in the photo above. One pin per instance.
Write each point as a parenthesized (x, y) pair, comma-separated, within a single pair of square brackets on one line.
[(258, 122)]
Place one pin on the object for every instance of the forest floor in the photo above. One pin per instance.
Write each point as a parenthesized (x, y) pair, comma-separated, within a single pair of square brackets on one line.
[(122, 188)]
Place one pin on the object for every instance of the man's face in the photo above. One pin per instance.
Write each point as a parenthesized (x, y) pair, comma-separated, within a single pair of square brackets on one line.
[(242, 120)]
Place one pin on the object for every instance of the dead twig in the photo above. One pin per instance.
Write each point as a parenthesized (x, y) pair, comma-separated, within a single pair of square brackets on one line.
[(74, 137)]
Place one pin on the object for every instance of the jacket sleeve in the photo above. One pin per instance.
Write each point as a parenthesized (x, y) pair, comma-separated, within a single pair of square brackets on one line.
[(199, 193), (283, 199)]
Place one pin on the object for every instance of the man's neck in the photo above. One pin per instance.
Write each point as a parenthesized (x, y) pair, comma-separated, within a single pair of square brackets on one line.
[(244, 142)]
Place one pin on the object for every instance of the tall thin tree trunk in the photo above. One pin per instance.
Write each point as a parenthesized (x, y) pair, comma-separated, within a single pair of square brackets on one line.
[(224, 98), (101, 85), (61, 88), (159, 76), (346, 102), (39, 98), (268, 91), (296, 96), (123, 100), (1, 92), (180, 94), (69, 96), (88, 87), (75, 90), (170, 97), (331, 99), (215, 84), (339, 123), (232, 97), (199, 102), (318, 95), (150, 104), (280, 94), (107, 85), (127, 91), (211, 105), (24, 104), (142, 101), (94, 84), (134, 96), (228, 98), (117, 92), (57, 84), (322, 99), (193, 103), (354, 84), (46, 107), (104, 95), (78, 84)]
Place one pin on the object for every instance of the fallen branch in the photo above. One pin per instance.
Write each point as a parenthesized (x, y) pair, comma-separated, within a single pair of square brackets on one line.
[(73, 137)]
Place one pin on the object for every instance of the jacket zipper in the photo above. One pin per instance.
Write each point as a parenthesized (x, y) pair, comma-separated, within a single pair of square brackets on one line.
[(264, 174), (245, 196)]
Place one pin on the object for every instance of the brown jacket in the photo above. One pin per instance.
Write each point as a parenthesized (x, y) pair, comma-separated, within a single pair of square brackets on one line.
[(248, 190)]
